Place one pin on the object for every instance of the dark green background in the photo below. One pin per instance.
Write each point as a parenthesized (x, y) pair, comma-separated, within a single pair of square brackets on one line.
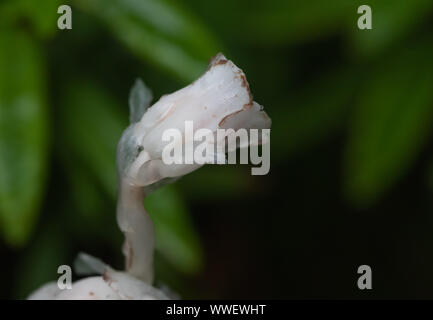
[(351, 179)]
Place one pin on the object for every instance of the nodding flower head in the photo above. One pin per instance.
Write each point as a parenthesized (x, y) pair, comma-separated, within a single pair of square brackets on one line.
[(220, 98)]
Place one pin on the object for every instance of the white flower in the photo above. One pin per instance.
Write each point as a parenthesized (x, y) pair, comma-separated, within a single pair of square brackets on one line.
[(220, 98), (111, 285)]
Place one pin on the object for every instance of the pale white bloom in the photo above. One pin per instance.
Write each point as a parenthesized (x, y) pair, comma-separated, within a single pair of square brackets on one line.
[(220, 98), (111, 285)]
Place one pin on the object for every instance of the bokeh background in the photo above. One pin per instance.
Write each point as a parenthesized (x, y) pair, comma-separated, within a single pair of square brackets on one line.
[(351, 179)]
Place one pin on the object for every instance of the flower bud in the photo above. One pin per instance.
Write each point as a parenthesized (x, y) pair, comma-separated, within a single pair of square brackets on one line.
[(219, 99)]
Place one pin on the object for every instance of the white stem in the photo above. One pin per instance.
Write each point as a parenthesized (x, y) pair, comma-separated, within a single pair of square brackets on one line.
[(138, 229)]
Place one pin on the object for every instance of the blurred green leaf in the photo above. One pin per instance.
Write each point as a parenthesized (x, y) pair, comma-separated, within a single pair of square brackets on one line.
[(283, 21), (214, 181), (314, 113), (88, 199), (176, 239), (23, 135), (42, 15), (392, 122), (392, 20), (90, 205), (9, 12), (160, 31), (39, 262), (92, 123)]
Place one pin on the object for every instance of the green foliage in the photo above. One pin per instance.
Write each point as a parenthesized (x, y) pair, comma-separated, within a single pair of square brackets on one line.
[(393, 20), (176, 238), (279, 21), (318, 111), (92, 123), (23, 135), (391, 123), (41, 15), (159, 31)]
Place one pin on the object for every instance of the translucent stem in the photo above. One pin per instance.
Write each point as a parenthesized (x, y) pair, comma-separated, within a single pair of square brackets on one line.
[(138, 229)]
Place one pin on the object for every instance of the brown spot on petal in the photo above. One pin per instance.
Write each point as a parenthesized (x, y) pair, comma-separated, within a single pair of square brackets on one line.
[(222, 61), (221, 123), (247, 105), (105, 276), (217, 60), (245, 84)]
